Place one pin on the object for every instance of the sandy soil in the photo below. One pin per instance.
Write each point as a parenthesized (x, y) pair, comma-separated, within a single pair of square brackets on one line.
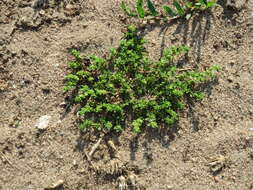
[(210, 148)]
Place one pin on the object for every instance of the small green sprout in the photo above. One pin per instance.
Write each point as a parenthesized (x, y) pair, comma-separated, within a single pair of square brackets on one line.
[(184, 8)]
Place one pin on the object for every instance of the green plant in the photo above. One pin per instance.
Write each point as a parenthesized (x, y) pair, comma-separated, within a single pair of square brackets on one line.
[(126, 83), (183, 8)]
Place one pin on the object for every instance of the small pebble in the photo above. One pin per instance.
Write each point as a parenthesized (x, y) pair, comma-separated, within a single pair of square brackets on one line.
[(69, 7), (43, 122), (55, 185), (230, 79), (42, 12), (216, 179)]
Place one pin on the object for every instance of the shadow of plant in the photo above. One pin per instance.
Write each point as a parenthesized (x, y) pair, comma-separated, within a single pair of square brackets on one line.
[(164, 135), (194, 31)]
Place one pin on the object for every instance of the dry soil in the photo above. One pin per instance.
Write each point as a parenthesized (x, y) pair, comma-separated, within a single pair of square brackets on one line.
[(210, 148)]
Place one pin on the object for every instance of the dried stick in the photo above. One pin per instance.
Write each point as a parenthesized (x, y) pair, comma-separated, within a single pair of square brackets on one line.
[(184, 69), (94, 147), (5, 158)]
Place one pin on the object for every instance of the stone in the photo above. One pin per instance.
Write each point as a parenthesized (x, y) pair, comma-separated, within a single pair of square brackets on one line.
[(43, 122), (55, 185), (69, 7)]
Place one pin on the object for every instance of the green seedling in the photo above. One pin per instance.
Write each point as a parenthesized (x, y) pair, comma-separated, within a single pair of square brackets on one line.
[(127, 10), (152, 8), (140, 10), (182, 8), (127, 84), (188, 8)]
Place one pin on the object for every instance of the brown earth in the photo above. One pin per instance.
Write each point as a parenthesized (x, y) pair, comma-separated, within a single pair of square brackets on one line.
[(210, 148)]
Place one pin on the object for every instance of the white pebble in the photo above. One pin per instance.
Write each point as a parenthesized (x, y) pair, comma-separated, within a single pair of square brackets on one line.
[(43, 122)]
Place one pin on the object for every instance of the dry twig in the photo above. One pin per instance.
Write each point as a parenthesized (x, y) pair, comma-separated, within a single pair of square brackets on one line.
[(184, 69), (6, 159), (93, 149)]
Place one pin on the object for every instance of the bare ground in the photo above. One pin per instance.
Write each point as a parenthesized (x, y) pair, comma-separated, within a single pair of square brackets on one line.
[(210, 148)]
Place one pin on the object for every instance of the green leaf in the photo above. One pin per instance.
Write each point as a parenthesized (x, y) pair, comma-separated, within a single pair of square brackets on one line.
[(210, 4), (179, 8), (72, 77), (83, 73), (86, 124), (152, 8), (197, 95), (74, 64), (126, 9), (169, 11), (137, 125), (108, 125), (203, 2), (67, 88), (118, 128), (76, 54), (188, 5), (140, 8), (85, 109)]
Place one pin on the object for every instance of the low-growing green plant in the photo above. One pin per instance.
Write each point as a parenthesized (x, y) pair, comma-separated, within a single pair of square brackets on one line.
[(183, 8), (127, 87)]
